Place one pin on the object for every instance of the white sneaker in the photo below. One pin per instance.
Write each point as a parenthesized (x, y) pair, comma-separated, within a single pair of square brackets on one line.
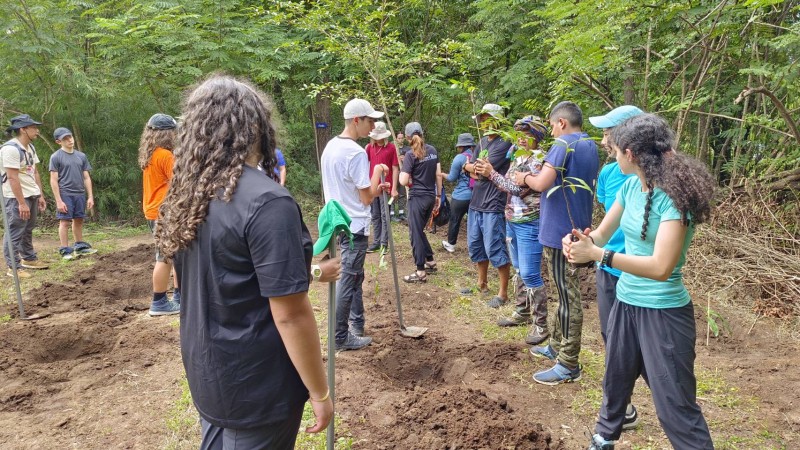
[(448, 246)]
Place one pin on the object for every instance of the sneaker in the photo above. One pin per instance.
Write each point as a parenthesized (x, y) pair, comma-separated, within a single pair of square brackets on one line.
[(537, 335), (164, 308), (356, 331), (67, 253), (176, 297), (353, 342), (515, 320), (631, 418), (83, 248), (558, 374), (395, 219), (33, 264), (598, 443), (448, 246), (20, 273), (384, 249), (373, 248), (544, 352)]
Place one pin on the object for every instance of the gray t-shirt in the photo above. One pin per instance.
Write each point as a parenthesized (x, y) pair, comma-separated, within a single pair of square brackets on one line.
[(70, 168), (345, 170)]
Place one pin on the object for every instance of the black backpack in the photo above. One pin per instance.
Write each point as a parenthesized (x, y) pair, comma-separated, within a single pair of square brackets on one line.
[(443, 216)]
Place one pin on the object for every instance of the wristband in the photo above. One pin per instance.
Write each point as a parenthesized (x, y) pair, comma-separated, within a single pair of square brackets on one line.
[(320, 400), (608, 255)]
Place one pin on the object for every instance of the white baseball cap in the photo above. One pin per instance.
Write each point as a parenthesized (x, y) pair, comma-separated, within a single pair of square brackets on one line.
[(360, 108)]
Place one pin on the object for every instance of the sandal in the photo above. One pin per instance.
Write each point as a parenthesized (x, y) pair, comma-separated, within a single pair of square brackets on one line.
[(430, 267), (415, 278)]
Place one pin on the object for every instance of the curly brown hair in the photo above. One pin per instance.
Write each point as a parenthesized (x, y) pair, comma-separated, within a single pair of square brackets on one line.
[(150, 140), (224, 121), (685, 180)]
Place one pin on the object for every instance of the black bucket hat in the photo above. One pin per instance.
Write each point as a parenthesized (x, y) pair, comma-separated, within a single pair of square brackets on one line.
[(21, 121)]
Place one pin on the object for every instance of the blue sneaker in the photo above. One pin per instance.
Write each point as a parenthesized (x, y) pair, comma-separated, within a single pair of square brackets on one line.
[(176, 296), (66, 253), (164, 308), (558, 374), (83, 248), (544, 352), (599, 443)]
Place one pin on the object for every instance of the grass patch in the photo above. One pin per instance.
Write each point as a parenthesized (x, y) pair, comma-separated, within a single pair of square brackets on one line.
[(182, 421), (591, 383), (711, 387), (4, 319)]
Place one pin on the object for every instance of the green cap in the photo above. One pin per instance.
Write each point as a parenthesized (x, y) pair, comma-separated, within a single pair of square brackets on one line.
[(332, 220)]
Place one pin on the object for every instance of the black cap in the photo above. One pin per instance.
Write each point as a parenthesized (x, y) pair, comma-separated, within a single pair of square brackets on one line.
[(161, 122)]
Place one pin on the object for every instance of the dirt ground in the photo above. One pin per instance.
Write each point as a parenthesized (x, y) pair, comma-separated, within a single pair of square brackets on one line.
[(99, 373)]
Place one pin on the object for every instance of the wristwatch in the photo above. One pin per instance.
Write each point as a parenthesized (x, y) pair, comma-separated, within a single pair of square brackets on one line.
[(316, 272)]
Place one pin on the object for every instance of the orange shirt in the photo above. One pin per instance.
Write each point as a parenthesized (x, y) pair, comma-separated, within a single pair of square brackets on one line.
[(155, 181)]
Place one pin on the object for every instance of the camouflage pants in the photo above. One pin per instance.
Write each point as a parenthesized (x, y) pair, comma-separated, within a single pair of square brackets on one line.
[(568, 322)]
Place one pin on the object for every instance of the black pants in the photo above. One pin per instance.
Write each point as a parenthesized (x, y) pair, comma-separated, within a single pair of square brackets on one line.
[(659, 345), (419, 211), (458, 209)]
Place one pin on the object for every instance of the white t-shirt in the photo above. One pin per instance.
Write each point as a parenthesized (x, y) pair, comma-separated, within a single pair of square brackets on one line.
[(12, 158), (345, 170)]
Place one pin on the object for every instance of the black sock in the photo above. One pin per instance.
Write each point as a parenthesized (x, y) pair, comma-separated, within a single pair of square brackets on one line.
[(159, 296)]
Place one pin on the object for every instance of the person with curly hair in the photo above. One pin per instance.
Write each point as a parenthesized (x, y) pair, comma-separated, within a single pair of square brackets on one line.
[(156, 160), (522, 227), (421, 172), (249, 339), (651, 327)]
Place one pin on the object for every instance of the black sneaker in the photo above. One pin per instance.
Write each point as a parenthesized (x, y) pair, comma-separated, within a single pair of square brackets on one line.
[(631, 419), (373, 248)]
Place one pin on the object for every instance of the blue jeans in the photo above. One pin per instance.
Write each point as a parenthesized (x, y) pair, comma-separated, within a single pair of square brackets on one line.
[(526, 251), (349, 292), (486, 237)]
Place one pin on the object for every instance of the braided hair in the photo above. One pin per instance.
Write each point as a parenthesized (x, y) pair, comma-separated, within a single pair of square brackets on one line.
[(685, 180)]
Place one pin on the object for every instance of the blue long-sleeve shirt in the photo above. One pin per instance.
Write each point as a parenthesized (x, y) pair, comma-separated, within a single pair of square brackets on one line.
[(457, 175)]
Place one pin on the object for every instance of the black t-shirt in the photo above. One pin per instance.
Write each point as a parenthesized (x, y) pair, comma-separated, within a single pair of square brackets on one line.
[(249, 249), (486, 197), (422, 171)]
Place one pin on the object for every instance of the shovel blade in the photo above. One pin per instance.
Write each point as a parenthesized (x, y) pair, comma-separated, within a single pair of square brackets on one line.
[(36, 316), (413, 332)]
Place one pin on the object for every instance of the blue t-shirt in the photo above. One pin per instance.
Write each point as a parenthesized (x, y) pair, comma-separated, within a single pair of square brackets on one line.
[(640, 291), (581, 162), (281, 161), (461, 191), (70, 168), (609, 182)]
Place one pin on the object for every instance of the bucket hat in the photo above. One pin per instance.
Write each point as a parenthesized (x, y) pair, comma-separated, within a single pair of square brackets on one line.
[(161, 122), (21, 121), (465, 140), (379, 132)]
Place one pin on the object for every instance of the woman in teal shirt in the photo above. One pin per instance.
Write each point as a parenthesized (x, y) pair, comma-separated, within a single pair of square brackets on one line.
[(651, 328)]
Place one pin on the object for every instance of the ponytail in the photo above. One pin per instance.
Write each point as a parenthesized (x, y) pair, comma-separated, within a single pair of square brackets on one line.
[(418, 146)]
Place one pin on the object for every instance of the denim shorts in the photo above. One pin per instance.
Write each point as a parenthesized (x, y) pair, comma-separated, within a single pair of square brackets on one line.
[(486, 237), (76, 207)]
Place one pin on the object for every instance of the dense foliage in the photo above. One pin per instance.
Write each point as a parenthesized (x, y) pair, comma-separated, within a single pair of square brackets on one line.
[(724, 72)]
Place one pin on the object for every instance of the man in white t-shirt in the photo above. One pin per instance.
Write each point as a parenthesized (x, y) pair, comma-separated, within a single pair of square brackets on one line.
[(22, 193), (345, 178)]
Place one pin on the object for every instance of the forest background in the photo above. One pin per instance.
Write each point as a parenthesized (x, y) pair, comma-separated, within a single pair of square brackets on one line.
[(725, 73)]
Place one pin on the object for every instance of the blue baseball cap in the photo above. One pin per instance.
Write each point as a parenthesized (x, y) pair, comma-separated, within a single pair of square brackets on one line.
[(615, 117), (61, 133), (161, 122)]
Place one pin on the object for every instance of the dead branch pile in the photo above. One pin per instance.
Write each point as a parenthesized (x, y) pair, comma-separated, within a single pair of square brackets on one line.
[(749, 253)]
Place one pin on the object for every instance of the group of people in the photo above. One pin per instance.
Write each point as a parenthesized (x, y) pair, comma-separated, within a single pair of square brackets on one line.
[(523, 204), (24, 198), (243, 254)]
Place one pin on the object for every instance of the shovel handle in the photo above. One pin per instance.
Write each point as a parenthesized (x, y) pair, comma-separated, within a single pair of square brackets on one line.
[(394, 258)]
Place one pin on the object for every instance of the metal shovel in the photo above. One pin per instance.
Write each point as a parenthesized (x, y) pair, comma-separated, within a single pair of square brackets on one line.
[(407, 331)]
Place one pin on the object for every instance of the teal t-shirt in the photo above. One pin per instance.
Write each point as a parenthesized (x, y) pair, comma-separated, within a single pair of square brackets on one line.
[(609, 183), (639, 291)]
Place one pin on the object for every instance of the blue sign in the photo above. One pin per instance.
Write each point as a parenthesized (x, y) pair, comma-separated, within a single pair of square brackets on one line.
[(322, 125)]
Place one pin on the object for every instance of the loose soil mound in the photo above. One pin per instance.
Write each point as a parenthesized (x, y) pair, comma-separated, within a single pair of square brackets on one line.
[(73, 376)]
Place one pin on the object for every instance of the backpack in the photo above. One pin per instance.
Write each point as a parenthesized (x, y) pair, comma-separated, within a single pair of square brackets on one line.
[(468, 155), (23, 155), (442, 217)]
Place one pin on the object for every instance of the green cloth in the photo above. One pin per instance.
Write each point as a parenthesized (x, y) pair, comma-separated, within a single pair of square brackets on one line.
[(332, 220)]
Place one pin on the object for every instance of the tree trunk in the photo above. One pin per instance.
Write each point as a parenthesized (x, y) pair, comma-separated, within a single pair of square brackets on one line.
[(321, 114)]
